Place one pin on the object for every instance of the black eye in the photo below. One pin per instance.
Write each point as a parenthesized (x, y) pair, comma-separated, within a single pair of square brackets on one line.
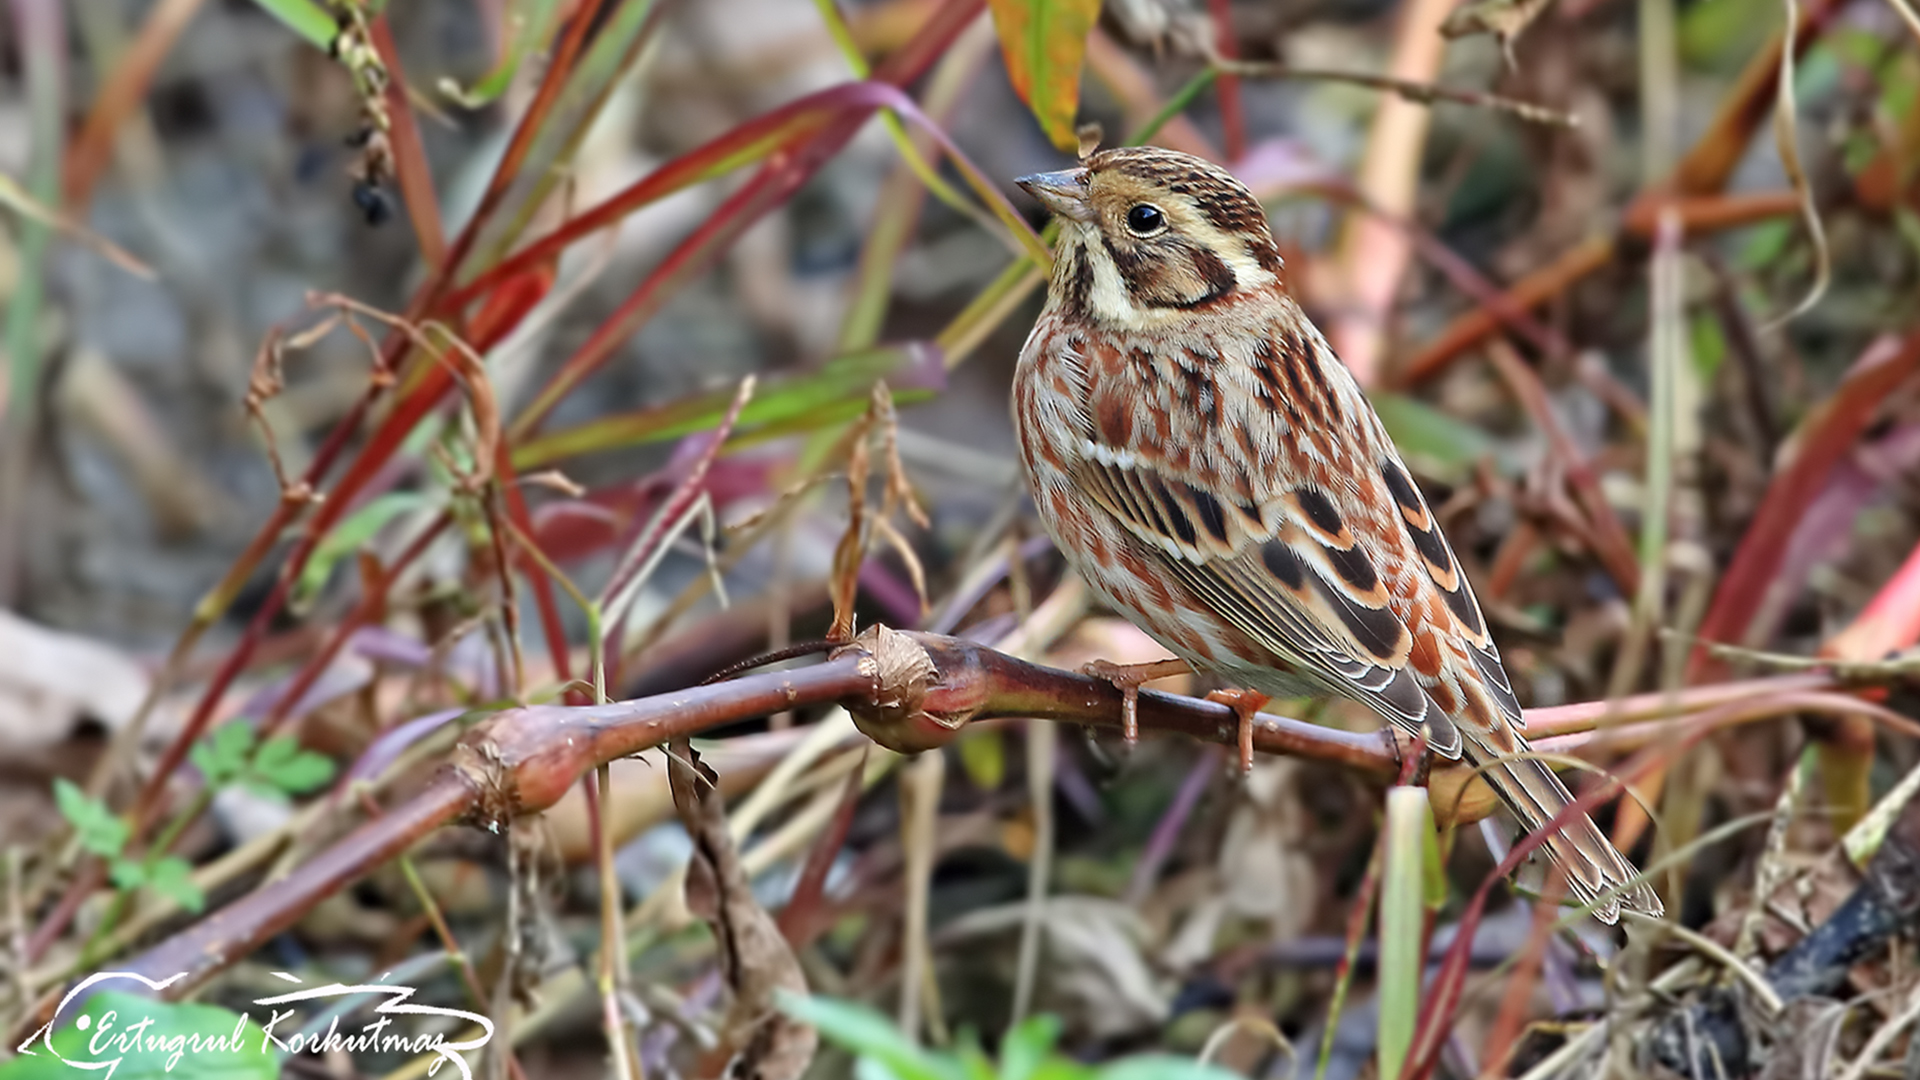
[(1146, 218)]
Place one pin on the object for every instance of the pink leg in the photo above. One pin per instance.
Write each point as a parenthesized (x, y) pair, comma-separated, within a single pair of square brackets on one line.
[(1245, 704), (1127, 678)]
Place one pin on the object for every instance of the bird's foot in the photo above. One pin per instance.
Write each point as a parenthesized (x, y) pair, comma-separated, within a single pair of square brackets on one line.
[(1245, 705), (1127, 679)]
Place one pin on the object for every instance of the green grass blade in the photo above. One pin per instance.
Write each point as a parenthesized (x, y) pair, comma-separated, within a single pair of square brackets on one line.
[(303, 17), (1403, 906)]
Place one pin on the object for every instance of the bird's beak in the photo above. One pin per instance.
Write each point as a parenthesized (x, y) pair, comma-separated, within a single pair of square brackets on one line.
[(1063, 192)]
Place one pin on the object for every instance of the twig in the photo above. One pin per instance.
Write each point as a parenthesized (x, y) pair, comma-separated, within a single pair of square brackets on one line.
[(521, 761), (1786, 137), (1882, 1037), (1763, 992), (1423, 93)]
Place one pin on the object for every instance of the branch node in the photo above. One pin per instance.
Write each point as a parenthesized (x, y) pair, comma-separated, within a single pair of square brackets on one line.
[(896, 712), (497, 802)]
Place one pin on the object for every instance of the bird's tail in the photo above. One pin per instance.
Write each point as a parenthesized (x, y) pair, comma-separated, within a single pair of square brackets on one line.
[(1595, 868)]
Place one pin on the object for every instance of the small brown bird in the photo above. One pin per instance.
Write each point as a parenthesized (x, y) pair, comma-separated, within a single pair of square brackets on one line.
[(1213, 470)]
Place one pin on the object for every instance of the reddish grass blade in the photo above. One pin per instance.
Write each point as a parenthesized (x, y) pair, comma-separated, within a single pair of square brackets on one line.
[(126, 86), (1827, 435), (511, 301), (752, 141), (806, 915), (409, 156), (772, 186), (1233, 119), (534, 569), (1890, 622), (559, 69)]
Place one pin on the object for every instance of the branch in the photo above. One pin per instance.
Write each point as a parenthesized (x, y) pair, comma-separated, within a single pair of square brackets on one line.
[(906, 691)]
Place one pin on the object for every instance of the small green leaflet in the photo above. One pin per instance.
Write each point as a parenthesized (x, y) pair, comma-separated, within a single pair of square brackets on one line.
[(278, 768), (100, 830), (348, 536), (1027, 1053)]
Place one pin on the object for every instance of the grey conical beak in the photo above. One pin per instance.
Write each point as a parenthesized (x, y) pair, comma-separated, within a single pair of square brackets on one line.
[(1063, 192)]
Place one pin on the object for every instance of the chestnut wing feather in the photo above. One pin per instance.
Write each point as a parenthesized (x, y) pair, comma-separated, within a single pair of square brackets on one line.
[(1317, 606)]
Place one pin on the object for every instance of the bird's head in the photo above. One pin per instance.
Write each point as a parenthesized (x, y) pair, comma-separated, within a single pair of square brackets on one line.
[(1150, 235)]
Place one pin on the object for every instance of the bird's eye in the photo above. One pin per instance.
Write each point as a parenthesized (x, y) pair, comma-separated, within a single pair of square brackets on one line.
[(1146, 219)]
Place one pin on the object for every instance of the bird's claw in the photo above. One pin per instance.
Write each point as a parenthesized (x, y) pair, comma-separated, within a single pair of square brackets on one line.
[(1245, 705), (1127, 678)]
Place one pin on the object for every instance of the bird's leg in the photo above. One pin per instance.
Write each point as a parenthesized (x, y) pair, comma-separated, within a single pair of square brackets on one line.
[(1127, 678), (1245, 704), (1417, 766)]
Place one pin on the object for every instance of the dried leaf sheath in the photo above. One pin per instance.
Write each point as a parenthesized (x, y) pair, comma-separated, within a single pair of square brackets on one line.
[(755, 960)]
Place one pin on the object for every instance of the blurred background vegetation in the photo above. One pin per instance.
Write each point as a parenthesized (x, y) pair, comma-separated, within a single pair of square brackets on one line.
[(368, 366)]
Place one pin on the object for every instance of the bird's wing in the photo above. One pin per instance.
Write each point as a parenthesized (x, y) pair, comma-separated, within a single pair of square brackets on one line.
[(1289, 573)]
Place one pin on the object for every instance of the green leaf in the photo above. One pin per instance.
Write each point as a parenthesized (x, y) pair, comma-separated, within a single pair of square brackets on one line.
[(211, 1043), (983, 754), (871, 1035), (1027, 1045), (1044, 43), (304, 17), (127, 874), (172, 877), (974, 1060), (287, 768), (223, 755), (804, 402), (1434, 443), (1765, 243), (1163, 1068), (1708, 344), (99, 829), (1409, 831), (347, 538)]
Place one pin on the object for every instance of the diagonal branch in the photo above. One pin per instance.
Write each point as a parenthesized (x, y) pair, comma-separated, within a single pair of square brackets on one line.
[(908, 691)]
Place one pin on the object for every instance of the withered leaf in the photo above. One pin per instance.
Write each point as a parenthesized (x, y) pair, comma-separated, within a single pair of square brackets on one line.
[(755, 961)]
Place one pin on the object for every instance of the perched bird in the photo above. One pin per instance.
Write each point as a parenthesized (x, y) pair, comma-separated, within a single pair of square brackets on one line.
[(1212, 469)]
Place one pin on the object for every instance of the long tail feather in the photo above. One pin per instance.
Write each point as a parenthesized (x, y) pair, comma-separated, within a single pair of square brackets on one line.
[(1594, 867)]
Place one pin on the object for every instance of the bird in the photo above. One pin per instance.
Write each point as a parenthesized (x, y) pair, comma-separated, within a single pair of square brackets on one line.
[(1203, 459)]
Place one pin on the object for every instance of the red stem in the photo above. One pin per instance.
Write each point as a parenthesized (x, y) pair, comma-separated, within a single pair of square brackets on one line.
[(1233, 123)]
